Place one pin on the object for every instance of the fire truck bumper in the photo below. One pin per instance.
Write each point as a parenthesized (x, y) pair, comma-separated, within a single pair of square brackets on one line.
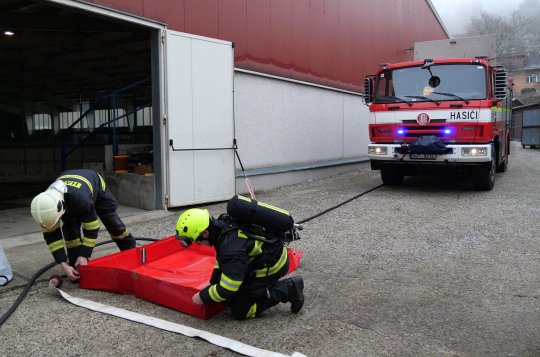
[(380, 154)]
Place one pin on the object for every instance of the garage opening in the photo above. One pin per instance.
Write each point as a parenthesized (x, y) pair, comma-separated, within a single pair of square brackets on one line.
[(76, 91)]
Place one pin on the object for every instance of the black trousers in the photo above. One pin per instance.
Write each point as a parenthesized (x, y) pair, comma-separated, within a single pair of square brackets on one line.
[(252, 297), (106, 206)]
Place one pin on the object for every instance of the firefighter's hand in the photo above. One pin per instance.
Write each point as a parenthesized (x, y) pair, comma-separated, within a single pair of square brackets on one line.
[(197, 299), (81, 261), (70, 271)]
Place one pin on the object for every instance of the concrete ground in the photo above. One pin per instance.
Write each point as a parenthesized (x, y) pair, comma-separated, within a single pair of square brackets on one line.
[(429, 268)]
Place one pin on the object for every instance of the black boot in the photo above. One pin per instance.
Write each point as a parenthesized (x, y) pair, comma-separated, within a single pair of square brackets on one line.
[(296, 293)]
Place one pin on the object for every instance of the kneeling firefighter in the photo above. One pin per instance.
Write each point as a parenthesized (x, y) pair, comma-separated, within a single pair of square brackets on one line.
[(249, 267)]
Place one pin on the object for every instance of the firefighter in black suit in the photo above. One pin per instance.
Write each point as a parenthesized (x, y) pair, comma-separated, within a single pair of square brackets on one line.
[(247, 272), (77, 199)]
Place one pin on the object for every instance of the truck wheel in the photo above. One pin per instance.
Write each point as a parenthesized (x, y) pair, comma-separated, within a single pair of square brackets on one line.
[(391, 176), (484, 176), (503, 165)]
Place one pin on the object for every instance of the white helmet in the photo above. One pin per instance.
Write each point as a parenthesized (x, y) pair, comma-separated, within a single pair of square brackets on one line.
[(47, 208)]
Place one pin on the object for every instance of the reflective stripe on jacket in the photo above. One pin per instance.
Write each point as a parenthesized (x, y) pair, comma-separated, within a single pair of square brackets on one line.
[(237, 256)]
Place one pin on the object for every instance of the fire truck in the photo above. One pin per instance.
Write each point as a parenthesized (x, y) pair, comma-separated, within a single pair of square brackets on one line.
[(431, 115)]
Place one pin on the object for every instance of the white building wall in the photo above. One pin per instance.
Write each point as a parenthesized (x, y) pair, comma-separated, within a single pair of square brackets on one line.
[(284, 126)]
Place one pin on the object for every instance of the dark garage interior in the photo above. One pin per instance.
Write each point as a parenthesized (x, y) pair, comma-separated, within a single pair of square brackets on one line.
[(72, 82)]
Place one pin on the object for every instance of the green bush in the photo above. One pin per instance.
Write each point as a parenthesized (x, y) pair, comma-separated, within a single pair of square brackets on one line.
[(526, 91)]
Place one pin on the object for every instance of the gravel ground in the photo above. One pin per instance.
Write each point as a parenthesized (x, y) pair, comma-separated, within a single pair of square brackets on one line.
[(429, 268)]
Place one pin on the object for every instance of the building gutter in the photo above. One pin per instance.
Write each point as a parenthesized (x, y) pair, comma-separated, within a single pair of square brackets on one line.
[(301, 166)]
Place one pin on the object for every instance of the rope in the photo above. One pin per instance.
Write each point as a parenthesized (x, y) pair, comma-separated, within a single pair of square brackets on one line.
[(248, 183)]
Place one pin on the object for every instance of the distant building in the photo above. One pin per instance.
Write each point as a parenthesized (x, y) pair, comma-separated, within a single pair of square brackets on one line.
[(527, 83), (525, 71)]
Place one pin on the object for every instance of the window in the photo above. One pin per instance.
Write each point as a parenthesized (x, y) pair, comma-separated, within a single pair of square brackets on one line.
[(105, 117), (68, 118), (144, 116), (532, 78), (454, 81), (41, 121), (94, 119)]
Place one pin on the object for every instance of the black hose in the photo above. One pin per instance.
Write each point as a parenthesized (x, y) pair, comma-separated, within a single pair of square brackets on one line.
[(37, 275), (49, 266), (338, 205), (25, 291)]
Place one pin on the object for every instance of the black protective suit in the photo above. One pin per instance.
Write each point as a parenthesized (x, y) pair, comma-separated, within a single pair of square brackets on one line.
[(247, 272), (87, 198)]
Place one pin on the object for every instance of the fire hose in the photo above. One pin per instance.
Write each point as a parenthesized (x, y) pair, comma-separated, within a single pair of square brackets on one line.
[(55, 282), (37, 274), (237, 346)]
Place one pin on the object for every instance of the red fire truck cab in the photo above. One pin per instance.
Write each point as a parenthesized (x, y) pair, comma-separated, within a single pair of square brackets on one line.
[(433, 114)]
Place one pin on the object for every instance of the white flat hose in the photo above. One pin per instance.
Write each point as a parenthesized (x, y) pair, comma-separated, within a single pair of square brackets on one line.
[(217, 340)]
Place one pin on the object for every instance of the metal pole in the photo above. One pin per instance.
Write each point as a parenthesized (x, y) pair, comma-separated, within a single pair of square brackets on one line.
[(115, 144)]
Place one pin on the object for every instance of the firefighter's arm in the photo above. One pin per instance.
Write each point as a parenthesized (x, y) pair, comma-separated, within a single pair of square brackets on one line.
[(55, 242), (216, 274), (90, 229), (214, 279), (233, 270)]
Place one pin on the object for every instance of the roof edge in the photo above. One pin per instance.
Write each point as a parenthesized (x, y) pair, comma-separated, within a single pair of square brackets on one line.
[(432, 7)]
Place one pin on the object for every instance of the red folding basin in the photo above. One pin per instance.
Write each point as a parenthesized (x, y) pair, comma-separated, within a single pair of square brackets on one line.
[(163, 272)]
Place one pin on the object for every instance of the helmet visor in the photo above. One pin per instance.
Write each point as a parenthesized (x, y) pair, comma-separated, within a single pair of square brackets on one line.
[(185, 241)]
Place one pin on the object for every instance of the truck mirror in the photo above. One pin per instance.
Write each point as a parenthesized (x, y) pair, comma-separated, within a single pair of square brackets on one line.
[(434, 81), (368, 90), (501, 78)]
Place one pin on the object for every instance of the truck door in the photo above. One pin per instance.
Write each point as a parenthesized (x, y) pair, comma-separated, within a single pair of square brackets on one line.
[(198, 86)]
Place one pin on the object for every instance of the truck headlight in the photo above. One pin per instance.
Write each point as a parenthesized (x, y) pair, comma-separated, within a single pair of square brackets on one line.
[(472, 151), (377, 150)]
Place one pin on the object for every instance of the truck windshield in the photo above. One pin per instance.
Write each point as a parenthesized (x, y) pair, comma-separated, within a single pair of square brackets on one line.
[(457, 82)]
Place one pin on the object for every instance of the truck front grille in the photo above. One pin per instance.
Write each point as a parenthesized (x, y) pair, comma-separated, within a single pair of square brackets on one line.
[(414, 131), (434, 121)]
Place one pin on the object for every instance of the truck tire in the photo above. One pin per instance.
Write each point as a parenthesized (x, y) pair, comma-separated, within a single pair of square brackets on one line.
[(484, 176), (503, 165), (391, 176)]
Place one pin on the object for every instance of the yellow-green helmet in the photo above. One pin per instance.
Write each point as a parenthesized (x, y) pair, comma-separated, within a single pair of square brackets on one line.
[(191, 224)]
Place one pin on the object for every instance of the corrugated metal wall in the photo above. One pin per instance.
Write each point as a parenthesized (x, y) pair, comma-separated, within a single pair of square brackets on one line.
[(328, 42)]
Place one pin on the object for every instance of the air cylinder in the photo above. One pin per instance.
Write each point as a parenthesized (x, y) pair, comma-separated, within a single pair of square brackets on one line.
[(251, 212)]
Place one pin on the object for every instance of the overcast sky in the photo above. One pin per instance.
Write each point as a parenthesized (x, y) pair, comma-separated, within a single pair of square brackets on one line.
[(456, 13)]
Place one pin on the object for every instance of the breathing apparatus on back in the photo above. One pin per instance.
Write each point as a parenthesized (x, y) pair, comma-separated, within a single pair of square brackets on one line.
[(262, 221), (257, 220)]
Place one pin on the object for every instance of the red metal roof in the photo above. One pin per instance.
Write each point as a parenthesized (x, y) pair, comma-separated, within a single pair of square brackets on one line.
[(329, 42)]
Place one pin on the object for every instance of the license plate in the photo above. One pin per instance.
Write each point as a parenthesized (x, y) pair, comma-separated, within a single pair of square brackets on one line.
[(423, 156)]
